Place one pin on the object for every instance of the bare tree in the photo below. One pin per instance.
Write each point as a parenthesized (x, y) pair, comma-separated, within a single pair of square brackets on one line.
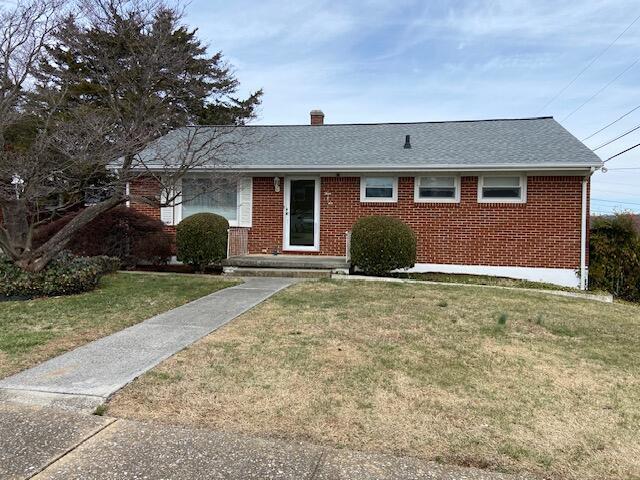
[(89, 101)]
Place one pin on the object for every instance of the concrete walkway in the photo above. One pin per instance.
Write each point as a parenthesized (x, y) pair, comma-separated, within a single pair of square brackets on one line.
[(85, 377), (44, 443)]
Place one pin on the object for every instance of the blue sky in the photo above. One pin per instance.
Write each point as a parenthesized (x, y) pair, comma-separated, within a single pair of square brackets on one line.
[(390, 61)]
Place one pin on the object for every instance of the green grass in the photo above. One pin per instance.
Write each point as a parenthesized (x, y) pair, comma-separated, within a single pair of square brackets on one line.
[(511, 381), (34, 330), (482, 280)]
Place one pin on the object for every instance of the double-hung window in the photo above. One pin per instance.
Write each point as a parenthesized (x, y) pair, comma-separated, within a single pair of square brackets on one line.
[(378, 189), (502, 188), (437, 188), (211, 195)]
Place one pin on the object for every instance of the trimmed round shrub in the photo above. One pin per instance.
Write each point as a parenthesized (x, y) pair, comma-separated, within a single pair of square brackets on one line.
[(65, 275), (201, 240), (381, 244)]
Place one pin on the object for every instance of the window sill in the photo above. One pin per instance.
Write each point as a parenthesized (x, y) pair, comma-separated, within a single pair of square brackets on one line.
[(378, 200), (514, 201), (442, 200)]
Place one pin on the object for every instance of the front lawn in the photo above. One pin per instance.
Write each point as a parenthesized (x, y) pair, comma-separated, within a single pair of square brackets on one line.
[(32, 331), (471, 376)]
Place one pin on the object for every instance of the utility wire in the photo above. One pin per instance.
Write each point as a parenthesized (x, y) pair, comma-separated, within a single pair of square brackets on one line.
[(617, 138), (602, 89), (620, 184), (612, 123), (624, 168), (555, 97), (613, 201), (615, 192), (623, 151)]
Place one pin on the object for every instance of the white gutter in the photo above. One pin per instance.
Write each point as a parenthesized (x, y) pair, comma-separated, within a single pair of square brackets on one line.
[(583, 235), (385, 168)]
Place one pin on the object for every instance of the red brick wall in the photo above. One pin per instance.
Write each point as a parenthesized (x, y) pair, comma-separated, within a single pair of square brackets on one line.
[(145, 187), (267, 223), (544, 232), (150, 188)]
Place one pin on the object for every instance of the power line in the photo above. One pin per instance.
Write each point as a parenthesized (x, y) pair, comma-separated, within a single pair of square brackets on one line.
[(608, 183), (617, 138), (623, 151), (595, 188), (555, 97), (612, 123), (613, 201), (624, 168), (602, 89)]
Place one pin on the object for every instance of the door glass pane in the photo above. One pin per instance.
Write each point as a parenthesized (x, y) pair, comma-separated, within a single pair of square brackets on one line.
[(302, 212)]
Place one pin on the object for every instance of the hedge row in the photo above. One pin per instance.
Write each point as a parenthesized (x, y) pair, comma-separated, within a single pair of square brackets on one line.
[(614, 256), (65, 275)]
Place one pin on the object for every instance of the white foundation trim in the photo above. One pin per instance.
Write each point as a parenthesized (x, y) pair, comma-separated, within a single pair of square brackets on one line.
[(565, 277)]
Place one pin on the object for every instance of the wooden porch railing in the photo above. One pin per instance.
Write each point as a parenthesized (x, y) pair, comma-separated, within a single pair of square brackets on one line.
[(237, 242), (347, 252)]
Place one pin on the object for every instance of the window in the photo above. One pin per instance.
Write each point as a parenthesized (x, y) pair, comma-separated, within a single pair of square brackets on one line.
[(378, 189), (438, 188), (508, 188), (202, 194)]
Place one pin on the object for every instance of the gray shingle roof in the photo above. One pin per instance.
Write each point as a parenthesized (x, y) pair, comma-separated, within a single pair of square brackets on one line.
[(535, 143)]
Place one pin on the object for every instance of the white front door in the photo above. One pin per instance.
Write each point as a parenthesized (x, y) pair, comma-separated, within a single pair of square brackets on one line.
[(302, 214)]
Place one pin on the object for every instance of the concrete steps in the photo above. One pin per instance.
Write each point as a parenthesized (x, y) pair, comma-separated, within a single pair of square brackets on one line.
[(288, 261), (296, 266), (278, 272)]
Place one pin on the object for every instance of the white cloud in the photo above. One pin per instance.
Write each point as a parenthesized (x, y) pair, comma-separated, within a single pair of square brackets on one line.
[(413, 60)]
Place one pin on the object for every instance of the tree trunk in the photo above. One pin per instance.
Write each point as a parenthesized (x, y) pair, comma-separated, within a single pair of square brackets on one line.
[(38, 259), (16, 223)]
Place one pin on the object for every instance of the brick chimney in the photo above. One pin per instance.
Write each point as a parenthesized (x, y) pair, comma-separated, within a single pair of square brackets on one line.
[(317, 117)]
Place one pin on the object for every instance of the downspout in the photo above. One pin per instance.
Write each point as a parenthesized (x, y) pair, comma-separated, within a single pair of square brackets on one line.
[(583, 235)]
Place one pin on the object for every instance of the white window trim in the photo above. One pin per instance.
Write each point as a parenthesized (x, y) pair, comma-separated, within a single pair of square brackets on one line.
[(523, 189), (363, 190), (232, 223), (416, 190)]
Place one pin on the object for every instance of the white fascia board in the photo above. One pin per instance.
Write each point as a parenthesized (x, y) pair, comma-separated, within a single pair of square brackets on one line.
[(408, 169)]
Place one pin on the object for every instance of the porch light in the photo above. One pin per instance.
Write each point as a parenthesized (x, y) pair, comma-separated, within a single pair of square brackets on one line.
[(276, 184)]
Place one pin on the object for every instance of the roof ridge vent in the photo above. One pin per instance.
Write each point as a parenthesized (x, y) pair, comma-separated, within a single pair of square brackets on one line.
[(407, 141)]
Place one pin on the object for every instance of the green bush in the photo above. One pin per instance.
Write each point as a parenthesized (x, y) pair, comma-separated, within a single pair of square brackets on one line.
[(381, 244), (107, 264), (201, 240), (121, 232), (614, 256), (65, 275)]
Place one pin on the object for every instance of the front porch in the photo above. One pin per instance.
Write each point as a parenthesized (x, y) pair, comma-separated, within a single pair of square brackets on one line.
[(285, 265)]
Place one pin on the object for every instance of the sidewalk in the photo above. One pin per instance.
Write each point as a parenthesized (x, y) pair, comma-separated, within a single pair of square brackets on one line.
[(44, 443), (85, 377)]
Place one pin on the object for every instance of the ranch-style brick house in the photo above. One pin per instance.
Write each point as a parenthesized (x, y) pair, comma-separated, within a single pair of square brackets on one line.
[(506, 197)]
